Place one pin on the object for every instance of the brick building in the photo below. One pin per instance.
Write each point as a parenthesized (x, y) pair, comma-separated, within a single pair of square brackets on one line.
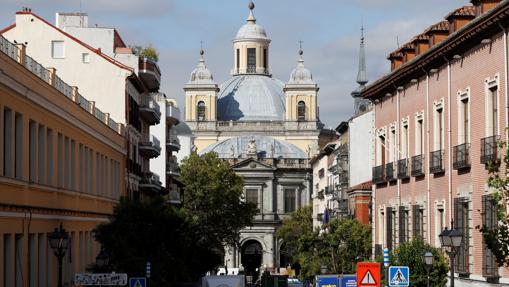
[(438, 114)]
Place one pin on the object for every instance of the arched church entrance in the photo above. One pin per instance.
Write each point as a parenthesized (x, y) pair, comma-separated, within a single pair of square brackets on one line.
[(252, 254), (285, 258)]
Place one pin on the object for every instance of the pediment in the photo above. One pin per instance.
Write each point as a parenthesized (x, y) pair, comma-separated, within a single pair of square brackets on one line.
[(251, 164)]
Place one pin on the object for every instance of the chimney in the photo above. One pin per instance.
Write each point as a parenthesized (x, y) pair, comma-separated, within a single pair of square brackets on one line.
[(420, 43), (64, 20), (437, 33), (408, 52), (460, 17), (396, 59), (483, 6)]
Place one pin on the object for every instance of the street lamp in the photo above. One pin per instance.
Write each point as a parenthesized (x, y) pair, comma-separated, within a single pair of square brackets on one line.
[(59, 242), (452, 239), (102, 260), (323, 269), (427, 259)]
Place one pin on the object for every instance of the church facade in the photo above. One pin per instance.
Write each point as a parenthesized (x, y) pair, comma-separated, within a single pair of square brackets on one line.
[(267, 130)]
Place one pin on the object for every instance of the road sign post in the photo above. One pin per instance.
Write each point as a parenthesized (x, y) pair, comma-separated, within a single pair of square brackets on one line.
[(399, 276), (138, 282), (100, 279), (368, 274)]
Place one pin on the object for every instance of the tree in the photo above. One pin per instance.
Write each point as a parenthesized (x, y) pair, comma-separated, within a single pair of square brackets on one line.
[(213, 199), (496, 235), (151, 231), (149, 52), (410, 254), (298, 225)]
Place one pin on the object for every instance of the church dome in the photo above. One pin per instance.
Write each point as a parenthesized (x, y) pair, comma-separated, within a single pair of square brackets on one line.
[(266, 147), (201, 75), (301, 75), (251, 30), (251, 98)]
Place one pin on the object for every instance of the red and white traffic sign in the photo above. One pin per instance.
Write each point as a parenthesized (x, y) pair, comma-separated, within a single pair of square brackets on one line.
[(368, 274)]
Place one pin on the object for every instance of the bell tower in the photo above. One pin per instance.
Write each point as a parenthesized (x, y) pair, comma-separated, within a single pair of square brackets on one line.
[(361, 105)]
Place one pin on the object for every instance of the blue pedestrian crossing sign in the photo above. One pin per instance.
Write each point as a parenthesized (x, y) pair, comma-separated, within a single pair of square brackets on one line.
[(138, 282), (399, 276)]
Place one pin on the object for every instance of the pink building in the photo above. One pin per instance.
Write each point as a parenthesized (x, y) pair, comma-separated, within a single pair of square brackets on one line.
[(438, 115)]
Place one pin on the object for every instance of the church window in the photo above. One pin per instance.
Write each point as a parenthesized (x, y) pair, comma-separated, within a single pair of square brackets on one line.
[(251, 60), (265, 60), (252, 195), (289, 194), (238, 60), (301, 111), (201, 111)]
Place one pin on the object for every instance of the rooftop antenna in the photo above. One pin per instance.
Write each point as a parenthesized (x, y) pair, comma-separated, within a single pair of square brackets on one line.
[(397, 41)]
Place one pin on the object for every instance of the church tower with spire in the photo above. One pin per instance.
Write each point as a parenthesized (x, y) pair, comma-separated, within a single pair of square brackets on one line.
[(361, 105)]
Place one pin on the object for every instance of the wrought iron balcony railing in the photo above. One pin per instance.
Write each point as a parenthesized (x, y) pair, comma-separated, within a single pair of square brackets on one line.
[(489, 149), (418, 165), (378, 174), (389, 172), (403, 172), (461, 156), (436, 162)]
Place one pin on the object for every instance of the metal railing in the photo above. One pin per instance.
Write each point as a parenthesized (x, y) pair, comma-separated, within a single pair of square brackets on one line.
[(417, 165), (436, 162), (149, 102), (8, 48), (489, 149), (403, 169), (461, 156), (63, 87), (389, 172), (84, 103), (379, 174), (37, 69)]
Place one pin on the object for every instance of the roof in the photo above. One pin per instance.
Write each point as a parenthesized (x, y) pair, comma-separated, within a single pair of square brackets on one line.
[(96, 51), (267, 147), (362, 186), (251, 98), (465, 11), (442, 26)]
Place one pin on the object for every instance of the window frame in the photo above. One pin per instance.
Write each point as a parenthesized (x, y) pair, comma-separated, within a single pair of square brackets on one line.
[(53, 50)]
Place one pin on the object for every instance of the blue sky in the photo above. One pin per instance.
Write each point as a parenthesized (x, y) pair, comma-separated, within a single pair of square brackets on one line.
[(329, 29)]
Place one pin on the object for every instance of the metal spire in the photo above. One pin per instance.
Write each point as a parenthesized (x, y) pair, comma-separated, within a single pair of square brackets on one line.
[(251, 18), (362, 75)]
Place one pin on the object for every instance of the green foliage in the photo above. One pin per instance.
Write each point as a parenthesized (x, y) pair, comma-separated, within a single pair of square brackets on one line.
[(497, 239), (410, 254), (213, 199), (340, 247), (149, 52), (152, 231)]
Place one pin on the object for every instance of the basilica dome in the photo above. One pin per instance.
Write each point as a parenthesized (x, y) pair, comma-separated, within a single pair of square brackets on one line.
[(251, 98), (251, 30)]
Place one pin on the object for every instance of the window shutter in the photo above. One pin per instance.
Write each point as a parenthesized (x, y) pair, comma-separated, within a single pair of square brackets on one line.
[(388, 212), (402, 223)]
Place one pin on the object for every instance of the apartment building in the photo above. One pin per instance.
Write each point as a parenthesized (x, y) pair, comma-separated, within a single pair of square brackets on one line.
[(438, 115), (62, 162), (114, 78)]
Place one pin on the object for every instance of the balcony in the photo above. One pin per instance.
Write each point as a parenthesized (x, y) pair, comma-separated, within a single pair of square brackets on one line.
[(389, 172), (172, 114), (343, 206), (379, 174), (418, 165), (150, 148), (403, 169), (319, 217), (172, 168), (489, 149), (173, 144), (133, 167), (436, 162), (461, 156), (320, 195), (149, 73), (150, 182), (150, 110)]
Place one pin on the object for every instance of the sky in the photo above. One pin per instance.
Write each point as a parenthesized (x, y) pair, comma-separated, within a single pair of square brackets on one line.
[(329, 29)]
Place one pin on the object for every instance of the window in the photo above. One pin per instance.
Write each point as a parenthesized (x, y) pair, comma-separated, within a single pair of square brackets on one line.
[(439, 223), (60, 160), (201, 111), (32, 151), (8, 149), (41, 174), (265, 60), (382, 146), (461, 223), (490, 267), (57, 49), (289, 194), (492, 112), (439, 128), (85, 57), (18, 143), (301, 111), (238, 60), (419, 137), (389, 228), (251, 60), (418, 222), (403, 224), (252, 195), (404, 140), (49, 156), (464, 120), (393, 150), (321, 173)]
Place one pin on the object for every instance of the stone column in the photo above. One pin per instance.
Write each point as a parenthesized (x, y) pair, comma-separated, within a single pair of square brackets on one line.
[(268, 254)]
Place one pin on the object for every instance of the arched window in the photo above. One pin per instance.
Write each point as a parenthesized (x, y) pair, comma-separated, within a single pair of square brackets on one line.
[(201, 111), (301, 111)]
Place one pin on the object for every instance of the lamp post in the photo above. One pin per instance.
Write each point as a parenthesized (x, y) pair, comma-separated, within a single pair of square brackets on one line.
[(452, 239), (323, 269), (102, 260), (427, 259), (59, 243)]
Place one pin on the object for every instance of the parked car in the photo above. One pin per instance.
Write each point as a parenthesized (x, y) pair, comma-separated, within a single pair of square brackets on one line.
[(294, 282)]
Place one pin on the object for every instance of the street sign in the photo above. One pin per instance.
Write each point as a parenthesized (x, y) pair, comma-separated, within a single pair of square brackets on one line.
[(100, 279), (327, 281), (386, 257), (368, 274), (399, 276), (349, 281), (138, 282)]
